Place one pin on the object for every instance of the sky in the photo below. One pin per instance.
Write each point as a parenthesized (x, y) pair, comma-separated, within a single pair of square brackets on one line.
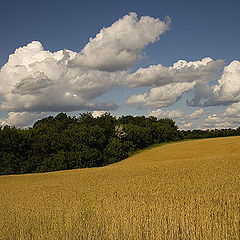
[(175, 59)]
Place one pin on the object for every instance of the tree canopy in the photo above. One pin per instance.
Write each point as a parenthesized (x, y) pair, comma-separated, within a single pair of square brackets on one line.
[(64, 142)]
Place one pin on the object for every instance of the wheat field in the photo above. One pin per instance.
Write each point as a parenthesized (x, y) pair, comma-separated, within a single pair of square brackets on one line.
[(184, 190)]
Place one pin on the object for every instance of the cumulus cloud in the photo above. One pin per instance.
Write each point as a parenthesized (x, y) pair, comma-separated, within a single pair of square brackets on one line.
[(218, 121), (233, 111), (168, 84), (98, 113), (186, 126), (202, 73), (177, 114), (230, 118), (37, 80), (227, 90), (32, 84), (21, 119), (202, 92), (119, 46), (184, 121), (196, 114), (173, 114), (161, 96), (181, 71)]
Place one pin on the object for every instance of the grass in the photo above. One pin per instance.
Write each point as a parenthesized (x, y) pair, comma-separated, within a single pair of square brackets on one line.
[(183, 190)]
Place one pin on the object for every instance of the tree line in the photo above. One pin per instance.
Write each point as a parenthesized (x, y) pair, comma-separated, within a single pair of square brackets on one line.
[(64, 142)]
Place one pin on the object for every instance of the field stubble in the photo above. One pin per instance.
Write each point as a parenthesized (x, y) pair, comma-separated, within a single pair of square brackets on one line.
[(187, 190)]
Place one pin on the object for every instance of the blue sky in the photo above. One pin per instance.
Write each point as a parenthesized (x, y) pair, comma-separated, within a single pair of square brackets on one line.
[(198, 29)]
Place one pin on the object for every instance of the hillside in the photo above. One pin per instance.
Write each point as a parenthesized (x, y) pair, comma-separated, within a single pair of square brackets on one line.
[(184, 190)]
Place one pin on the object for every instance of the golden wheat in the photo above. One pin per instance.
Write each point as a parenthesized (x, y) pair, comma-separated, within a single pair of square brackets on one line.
[(187, 190)]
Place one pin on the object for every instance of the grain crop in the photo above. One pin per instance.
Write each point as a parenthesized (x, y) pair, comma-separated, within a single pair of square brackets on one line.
[(184, 190)]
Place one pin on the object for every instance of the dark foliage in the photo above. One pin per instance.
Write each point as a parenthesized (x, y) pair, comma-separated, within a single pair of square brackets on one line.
[(63, 142), (197, 134)]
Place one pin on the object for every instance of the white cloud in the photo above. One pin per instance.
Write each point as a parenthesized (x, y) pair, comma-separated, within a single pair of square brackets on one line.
[(186, 126), (217, 121), (21, 119), (98, 113), (119, 46), (196, 114), (228, 88), (233, 111), (37, 80), (177, 114), (173, 114), (202, 92), (168, 84), (161, 96), (226, 91), (184, 121), (32, 84), (181, 71), (229, 119)]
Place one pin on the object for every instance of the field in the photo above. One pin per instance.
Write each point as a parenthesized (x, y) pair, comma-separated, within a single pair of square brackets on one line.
[(185, 190)]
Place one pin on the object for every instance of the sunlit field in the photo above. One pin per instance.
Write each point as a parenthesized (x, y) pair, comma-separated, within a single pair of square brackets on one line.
[(185, 190)]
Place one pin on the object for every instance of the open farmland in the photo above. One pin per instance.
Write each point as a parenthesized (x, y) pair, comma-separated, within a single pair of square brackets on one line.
[(185, 190)]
